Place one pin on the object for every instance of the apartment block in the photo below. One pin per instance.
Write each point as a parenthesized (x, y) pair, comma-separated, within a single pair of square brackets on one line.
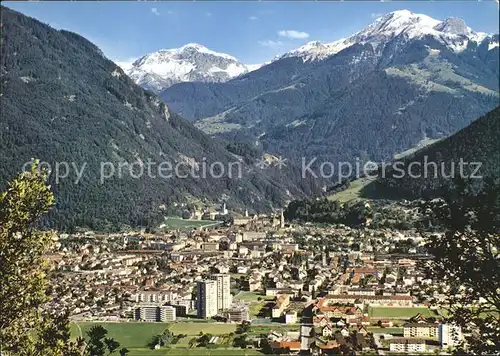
[(153, 313), (206, 300), (224, 298), (238, 313), (409, 346), (425, 330)]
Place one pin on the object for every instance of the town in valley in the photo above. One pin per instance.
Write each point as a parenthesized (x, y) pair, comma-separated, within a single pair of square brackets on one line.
[(255, 284)]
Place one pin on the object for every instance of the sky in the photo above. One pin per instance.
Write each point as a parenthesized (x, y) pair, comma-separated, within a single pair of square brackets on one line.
[(253, 32)]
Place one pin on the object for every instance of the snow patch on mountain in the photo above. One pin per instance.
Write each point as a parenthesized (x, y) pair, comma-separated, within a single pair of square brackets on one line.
[(316, 50)]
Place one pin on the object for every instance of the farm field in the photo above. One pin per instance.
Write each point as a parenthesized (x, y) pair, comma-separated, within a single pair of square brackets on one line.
[(351, 193), (129, 335), (195, 328), (135, 337), (249, 296), (188, 224), (399, 313), (255, 305), (264, 329), (192, 352)]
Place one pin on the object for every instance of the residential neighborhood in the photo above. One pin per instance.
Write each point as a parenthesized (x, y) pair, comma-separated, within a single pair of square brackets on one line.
[(294, 288)]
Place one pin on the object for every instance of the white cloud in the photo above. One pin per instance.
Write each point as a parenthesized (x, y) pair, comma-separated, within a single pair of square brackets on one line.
[(271, 43), (253, 18), (155, 11), (293, 34), (376, 15)]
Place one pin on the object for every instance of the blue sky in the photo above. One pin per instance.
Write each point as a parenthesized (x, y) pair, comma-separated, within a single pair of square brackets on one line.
[(253, 32)]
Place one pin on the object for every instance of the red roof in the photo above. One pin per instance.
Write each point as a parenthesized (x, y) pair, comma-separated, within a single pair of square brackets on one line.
[(370, 297), (292, 345)]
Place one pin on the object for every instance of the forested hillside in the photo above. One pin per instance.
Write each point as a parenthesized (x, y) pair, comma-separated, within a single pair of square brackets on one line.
[(388, 88), (63, 101), (478, 145)]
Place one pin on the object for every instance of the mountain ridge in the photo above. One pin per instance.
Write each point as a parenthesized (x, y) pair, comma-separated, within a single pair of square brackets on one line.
[(376, 97), (64, 102), (476, 146), (158, 70), (452, 32)]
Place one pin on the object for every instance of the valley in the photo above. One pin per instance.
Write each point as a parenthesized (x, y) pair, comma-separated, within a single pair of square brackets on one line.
[(300, 197)]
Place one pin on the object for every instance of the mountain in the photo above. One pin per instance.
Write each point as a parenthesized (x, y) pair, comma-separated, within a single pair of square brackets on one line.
[(477, 145), (404, 79), (191, 63), (66, 104), (315, 50), (452, 32)]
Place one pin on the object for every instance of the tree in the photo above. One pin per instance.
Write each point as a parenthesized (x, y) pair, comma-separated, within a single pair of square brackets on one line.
[(98, 343), (25, 327), (243, 328), (240, 341), (95, 344), (111, 344), (265, 346), (163, 339), (466, 260), (124, 351)]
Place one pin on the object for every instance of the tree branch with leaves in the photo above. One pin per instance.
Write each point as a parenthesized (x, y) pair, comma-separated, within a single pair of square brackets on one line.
[(467, 261)]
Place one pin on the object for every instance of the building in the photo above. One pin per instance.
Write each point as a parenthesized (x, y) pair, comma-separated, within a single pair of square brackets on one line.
[(224, 298), (273, 292), (328, 330), (182, 307), (285, 347), (325, 306), (254, 235), (291, 317), (206, 299), (425, 330), (360, 291), (238, 313), (450, 335), (210, 246), (321, 320), (403, 345), (152, 296), (153, 313), (289, 247), (146, 313), (242, 221), (167, 313), (282, 302), (384, 300)]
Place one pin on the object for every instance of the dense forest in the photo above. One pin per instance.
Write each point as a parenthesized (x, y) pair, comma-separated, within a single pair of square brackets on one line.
[(63, 101), (326, 211), (478, 145)]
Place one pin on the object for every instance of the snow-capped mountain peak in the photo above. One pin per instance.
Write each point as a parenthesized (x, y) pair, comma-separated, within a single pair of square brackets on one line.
[(452, 32), (192, 62), (316, 50), (398, 21), (454, 26), (202, 49)]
